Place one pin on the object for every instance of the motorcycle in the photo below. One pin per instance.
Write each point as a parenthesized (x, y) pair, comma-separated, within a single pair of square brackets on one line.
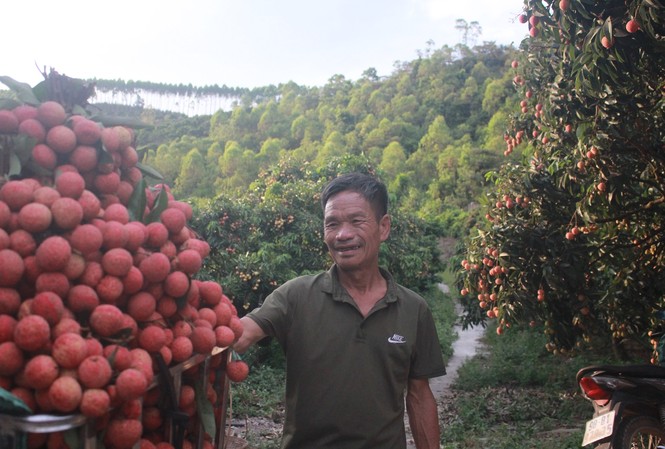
[(629, 406)]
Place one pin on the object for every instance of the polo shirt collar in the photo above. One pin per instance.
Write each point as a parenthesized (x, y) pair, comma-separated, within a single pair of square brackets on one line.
[(332, 286)]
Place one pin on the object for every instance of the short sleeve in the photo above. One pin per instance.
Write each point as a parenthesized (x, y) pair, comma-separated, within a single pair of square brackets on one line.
[(428, 357), (273, 315)]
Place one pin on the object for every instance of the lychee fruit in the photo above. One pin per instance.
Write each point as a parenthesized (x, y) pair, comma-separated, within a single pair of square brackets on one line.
[(90, 204), (176, 284), (44, 156), (48, 305), (8, 122), (69, 350), (32, 333), (53, 253), (22, 242), (189, 261), (224, 336), (67, 213), (123, 433), (46, 195), (152, 338), (70, 184), (109, 289), (155, 267), (115, 235), (107, 183), (11, 358), (157, 234), (211, 292), (117, 212), (12, 268), (117, 262), (131, 384), (61, 139), (40, 371), (7, 325), (237, 370), (95, 372), (16, 194), (84, 158), (95, 403), (86, 239), (87, 131), (65, 394), (141, 306), (106, 320), (203, 339), (51, 113), (173, 219), (181, 348)]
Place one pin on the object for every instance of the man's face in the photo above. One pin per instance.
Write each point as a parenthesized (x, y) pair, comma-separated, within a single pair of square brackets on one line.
[(351, 231)]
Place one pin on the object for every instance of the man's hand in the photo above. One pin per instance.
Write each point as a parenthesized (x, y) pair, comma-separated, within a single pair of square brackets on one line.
[(251, 334)]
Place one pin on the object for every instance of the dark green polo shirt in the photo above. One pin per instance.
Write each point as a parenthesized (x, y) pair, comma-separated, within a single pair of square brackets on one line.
[(347, 374)]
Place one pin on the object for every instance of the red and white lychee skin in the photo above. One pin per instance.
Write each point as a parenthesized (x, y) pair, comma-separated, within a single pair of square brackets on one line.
[(70, 184), (11, 358), (131, 384), (32, 333), (95, 372), (65, 394), (87, 131), (95, 403), (67, 213), (16, 194), (106, 320), (51, 113), (12, 268), (8, 122), (53, 253), (40, 371), (117, 262), (69, 350)]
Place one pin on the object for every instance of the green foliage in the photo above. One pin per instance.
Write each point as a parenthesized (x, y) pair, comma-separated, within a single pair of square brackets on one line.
[(576, 227), (274, 232)]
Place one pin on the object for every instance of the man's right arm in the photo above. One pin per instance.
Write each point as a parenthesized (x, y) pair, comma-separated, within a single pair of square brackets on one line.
[(251, 334)]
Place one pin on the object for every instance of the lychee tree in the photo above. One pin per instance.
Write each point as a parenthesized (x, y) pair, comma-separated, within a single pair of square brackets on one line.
[(574, 236)]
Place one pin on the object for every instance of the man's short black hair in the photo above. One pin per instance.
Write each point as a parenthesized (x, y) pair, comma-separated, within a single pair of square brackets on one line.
[(373, 190)]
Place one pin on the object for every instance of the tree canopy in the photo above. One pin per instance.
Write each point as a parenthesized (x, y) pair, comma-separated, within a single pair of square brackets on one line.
[(573, 236)]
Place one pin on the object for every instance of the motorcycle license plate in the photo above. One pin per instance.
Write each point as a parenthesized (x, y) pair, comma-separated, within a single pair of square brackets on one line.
[(598, 428)]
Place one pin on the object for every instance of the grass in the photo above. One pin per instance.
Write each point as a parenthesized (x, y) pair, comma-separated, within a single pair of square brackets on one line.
[(516, 395)]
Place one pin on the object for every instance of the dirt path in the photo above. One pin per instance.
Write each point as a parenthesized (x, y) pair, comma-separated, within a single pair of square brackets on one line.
[(465, 347)]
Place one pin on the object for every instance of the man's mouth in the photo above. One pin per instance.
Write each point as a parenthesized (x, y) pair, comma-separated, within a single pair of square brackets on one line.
[(344, 249)]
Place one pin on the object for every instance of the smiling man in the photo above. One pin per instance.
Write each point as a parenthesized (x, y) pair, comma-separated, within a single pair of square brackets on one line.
[(355, 340)]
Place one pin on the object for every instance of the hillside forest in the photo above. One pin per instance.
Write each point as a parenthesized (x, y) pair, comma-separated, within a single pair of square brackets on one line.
[(534, 174), (432, 131)]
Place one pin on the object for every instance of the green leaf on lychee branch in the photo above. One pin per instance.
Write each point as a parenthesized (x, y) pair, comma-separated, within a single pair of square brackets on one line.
[(205, 409), (149, 171), (12, 405), (23, 91), (137, 202), (161, 203)]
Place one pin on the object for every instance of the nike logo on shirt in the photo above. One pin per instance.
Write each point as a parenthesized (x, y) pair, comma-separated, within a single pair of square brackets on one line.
[(397, 339)]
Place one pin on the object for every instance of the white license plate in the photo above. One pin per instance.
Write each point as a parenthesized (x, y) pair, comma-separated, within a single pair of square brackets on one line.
[(598, 428)]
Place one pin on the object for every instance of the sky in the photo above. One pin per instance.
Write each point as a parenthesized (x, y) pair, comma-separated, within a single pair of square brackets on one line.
[(241, 43)]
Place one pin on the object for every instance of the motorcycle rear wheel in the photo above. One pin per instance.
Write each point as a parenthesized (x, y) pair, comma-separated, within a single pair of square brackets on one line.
[(639, 432)]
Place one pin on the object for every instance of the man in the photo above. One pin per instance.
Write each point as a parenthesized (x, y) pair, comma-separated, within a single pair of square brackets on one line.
[(354, 339)]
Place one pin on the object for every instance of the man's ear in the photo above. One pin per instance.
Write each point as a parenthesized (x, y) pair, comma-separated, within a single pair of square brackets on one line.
[(384, 227)]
